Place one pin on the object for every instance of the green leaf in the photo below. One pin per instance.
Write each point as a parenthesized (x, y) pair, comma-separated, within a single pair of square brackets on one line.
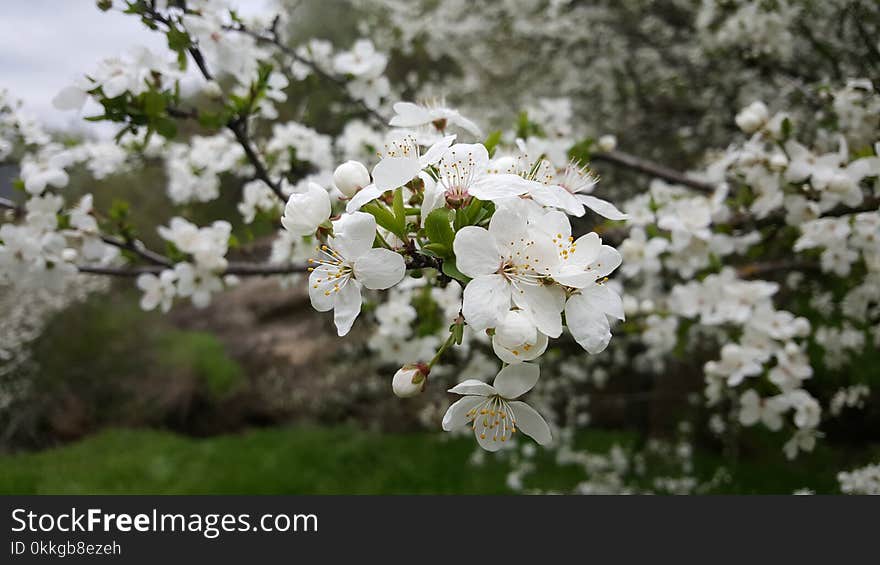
[(581, 150), (166, 128), (450, 270), (399, 210), (457, 331), (437, 250), (438, 229), (384, 217), (154, 103), (492, 142), (178, 40)]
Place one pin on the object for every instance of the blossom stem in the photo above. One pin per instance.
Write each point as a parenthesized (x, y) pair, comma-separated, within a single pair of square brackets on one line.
[(449, 341)]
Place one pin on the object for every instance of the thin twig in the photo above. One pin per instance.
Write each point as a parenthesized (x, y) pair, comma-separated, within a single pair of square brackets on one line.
[(139, 249), (755, 270), (239, 129)]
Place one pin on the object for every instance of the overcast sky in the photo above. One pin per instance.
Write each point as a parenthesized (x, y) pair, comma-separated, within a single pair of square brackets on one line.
[(46, 44)]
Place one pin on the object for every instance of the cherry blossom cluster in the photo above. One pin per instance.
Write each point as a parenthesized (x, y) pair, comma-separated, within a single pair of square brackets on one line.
[(496, 225)]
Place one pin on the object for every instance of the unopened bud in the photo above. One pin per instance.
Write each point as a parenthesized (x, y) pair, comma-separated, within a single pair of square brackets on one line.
[(752, 117), (778, 161), (212, 89), (350, 177), (607, 143), (409, 380)]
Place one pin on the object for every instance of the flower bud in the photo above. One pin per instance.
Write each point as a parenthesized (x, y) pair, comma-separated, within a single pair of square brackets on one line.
[(840, 182), (778, 161), (409, 380), (607, 143), (69, 255), (305, 211), (753, 117), (212, 89), (350, 177)]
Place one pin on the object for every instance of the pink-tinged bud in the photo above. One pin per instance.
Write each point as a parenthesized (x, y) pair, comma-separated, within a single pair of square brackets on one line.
[(410, 380), (350, 177)]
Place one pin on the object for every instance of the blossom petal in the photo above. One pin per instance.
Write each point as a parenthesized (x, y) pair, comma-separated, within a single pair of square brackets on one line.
[(353, 235), (555, 196), (392, 172), (589, 327), (489, 443), (486, 301), (346, 307), (473, 387), (545, 304), (514, 381), (379, 269), (408, 115), (529, 422), (608, 260), (456, 415), (601, 207), (437, 151), (475, 252), (602, 299), (519, 354), (498, 187), (364, 195), (319, 288)]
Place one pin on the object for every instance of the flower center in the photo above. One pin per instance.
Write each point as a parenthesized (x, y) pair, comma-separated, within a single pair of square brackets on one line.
[(335, 270), (493, 419), (456, 177)]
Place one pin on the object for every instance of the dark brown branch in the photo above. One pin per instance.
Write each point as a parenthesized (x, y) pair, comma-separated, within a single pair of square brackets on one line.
[(652, 169), (239, 269), (239, 129), (139, 249)]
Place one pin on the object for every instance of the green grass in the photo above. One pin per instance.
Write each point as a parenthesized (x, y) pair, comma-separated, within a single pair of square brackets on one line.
[(310, 460)]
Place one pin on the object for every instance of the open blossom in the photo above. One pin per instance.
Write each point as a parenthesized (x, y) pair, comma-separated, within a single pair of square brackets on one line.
[(402, 161), (207, 245), (348, 262), (508, 264), (753, 117), (305, 211), (493, 412), (768, 411), (158, 291), (197, 283), (409, 115)]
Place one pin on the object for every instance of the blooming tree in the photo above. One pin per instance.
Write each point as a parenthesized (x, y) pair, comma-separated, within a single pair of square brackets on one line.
[(493, 250)]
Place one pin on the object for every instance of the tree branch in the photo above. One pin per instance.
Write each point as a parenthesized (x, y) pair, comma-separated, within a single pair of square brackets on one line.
[(239, 129), (652, 169), (239, 269)]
